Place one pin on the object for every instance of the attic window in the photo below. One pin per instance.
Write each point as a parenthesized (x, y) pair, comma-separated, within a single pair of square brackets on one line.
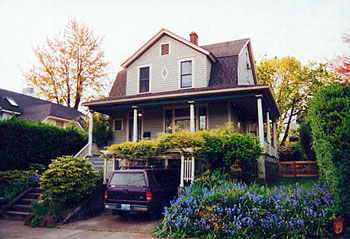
[(11, 101), (164, 49)]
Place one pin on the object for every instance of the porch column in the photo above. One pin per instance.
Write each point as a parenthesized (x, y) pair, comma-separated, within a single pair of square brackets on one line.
[(268, 126), (260, 121), (274, 128), (91, 125), (192, 124), (134, 135), (261, 160)]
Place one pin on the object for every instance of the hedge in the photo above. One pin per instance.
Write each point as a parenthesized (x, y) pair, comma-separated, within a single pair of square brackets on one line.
[(23, 143), (330, 120)]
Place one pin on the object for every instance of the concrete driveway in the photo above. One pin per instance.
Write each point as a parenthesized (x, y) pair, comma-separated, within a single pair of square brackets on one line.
[(106, 226)]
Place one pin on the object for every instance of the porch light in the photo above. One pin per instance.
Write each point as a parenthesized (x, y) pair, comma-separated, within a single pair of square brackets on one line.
[(139, 114)]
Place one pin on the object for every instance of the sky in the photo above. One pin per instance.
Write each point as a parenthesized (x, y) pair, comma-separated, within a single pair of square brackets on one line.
[(309, 30)]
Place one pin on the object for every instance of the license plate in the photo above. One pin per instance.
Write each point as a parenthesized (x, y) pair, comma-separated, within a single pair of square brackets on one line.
[(125, 207)]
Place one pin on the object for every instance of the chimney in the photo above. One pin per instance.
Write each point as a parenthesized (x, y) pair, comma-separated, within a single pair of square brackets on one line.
[(28, 91), (194, 38)]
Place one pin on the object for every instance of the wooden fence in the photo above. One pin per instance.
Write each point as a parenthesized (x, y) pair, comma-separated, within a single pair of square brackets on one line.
[(298, 169)]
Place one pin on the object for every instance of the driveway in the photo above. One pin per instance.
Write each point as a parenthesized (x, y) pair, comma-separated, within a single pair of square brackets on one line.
[(106, 226)]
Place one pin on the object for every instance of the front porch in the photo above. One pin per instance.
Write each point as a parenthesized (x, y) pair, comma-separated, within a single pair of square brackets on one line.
[(250, 111)]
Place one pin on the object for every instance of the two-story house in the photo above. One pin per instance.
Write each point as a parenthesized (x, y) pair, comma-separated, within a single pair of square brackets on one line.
[(171, 80)]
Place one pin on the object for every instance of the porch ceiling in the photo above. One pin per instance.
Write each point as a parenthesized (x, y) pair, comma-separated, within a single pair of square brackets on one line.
[(243, 98)]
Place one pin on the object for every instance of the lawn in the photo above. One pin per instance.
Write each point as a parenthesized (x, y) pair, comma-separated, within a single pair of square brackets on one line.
[(306, 182)]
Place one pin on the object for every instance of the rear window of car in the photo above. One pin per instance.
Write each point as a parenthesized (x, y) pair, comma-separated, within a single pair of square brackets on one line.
[(132, 179)]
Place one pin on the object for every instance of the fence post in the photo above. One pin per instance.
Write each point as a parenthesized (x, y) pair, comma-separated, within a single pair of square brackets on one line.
[(295, 168)]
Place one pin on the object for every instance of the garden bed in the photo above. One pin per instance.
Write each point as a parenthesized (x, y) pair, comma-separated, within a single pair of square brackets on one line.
[(233, 210)]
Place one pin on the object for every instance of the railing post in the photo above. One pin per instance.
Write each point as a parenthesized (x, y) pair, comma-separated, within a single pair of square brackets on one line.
[(182, 171), (91, 125)]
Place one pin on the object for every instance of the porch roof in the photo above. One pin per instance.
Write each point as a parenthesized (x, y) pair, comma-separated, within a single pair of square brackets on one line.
[(205, 94)]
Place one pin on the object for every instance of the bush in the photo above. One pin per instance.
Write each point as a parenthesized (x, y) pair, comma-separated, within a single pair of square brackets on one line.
[(102, 132), (329, 115), (23, 143), (68, 181), (289, 153), (233, 210), (305, 141), (14, 182), (47, 213)]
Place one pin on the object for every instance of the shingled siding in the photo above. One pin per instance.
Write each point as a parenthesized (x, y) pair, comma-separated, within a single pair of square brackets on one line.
[(153, 121), (245, 75), (218, 114), (178, 52)]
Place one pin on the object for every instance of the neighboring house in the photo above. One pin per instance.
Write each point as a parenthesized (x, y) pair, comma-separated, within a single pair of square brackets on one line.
[(171, 80), (34, 109)]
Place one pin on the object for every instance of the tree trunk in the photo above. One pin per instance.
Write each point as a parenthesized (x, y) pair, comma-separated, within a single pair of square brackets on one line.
[(286, 132)]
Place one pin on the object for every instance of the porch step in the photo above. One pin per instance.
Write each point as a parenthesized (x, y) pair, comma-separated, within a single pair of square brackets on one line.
[(33, 195), (36, 190), (27, 201), (21, 207), (16, 215)]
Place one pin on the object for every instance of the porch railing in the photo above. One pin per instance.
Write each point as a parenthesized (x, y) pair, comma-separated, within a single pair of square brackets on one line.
[(298, 169)]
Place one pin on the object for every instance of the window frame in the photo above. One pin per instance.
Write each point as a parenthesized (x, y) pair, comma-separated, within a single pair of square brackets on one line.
[(160, 49), (139, 79), (192, 73), (122, 124)]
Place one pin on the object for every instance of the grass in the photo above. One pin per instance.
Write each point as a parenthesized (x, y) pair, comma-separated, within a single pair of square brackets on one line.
[(307, 182)]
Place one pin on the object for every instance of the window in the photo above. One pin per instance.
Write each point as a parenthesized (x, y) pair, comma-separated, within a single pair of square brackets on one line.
[(164, 49), (11, 101), (118, 124), (144, 79), (186, 74), (202, 118), (59, 123)]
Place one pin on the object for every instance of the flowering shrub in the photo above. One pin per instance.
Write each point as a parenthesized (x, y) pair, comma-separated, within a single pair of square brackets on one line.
[(234, 210), (13, 182)]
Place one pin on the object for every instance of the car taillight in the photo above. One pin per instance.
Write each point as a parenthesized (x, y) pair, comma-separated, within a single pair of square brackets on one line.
[(106, 194), (148, 196)]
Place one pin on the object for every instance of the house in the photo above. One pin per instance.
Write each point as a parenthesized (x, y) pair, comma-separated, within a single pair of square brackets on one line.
[(171, 80), (34, 109)]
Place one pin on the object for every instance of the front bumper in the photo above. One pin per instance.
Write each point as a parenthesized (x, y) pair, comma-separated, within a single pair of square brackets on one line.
[(129, 207)]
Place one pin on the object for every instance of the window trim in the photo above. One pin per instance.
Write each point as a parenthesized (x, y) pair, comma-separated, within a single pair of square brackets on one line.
[(122, 125), (192, 73), (149, 79), (160, 48)]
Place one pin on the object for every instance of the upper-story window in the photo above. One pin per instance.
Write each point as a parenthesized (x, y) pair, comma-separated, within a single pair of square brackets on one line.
[(186, 74), (165, 49), (144, 79)]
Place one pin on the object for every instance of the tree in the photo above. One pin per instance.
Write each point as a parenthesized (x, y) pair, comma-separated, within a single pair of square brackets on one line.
[(293, 86), (341, 63), (70, 68)]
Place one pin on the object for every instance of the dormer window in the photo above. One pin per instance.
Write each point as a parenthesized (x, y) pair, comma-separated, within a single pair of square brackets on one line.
[(144, 79), (186, 74), (165, 49), (11, 101)]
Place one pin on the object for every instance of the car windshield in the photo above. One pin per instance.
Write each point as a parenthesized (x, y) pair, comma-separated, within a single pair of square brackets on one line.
[(128, 180)]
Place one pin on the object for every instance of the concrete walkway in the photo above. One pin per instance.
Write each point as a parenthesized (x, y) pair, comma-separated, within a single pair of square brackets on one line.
[(106, 226)]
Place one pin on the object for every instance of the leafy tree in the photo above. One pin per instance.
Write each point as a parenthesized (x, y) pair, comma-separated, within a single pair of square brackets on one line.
[(70, 68), (341, 63), (293, 85), (102, 131)]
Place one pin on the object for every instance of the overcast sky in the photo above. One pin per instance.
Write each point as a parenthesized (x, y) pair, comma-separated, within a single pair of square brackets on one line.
[(309, 30)]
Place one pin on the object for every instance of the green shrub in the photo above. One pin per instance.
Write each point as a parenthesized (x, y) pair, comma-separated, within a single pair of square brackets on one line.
[(68, 180), (14, 182), (305, 141), (232, 210), (43, 210), (289, 152), (23, 143), (102, 131), (329, 115)]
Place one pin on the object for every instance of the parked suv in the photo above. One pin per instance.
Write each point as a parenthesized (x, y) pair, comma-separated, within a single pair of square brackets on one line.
[(141, 190)]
